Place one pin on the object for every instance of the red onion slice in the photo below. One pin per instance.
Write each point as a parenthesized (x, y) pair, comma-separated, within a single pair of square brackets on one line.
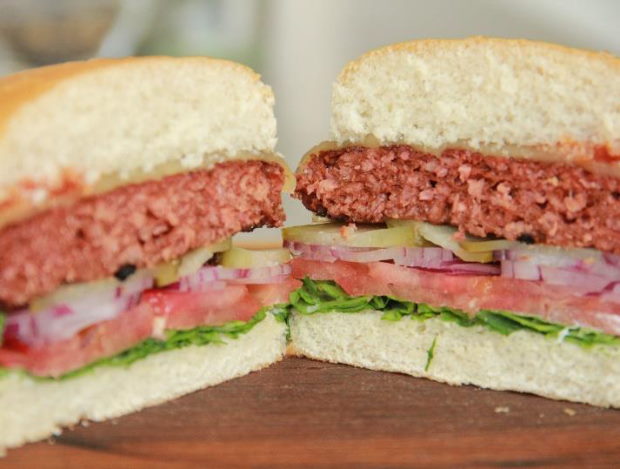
[(67, 317), (586, 271), (524, 270), (325, 253), (588, 283), (470, 268), (612, 293), (64, 319), (263, 281), (432, 258), (210, 277), (588, 261), (195, 286)]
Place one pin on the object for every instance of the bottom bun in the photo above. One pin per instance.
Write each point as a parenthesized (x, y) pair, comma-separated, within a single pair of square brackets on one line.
[(34, 409), (522, 361)]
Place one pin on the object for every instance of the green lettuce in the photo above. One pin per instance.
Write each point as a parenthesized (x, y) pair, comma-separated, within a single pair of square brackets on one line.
[(325, 296), (175, 339), (322, 296), (318, 296), (430, 353)]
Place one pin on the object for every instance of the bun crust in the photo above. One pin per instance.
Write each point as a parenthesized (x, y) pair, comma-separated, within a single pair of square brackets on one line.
[(482, 93), (522, 361), (33, 410), (73, 129)]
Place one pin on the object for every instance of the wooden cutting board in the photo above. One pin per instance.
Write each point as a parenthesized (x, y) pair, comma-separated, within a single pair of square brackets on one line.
[(302, 413)]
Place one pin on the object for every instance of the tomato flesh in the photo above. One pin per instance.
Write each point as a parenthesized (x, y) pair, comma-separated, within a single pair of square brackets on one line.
[(159, 309), (469, 293)]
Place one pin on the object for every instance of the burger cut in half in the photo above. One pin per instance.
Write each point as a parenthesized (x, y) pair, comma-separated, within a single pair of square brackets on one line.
[(473, 188), (121, 184)]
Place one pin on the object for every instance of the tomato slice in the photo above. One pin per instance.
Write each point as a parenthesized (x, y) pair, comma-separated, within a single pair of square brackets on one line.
[(158, 310), (184, 310), (469, 293), (101, 340), (274, 293)]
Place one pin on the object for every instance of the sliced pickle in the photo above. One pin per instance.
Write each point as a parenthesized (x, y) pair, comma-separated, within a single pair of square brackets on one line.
[(370, 236), (317, 219), (443, 236), (166, 274), (539, 251), (240, 258), (472, 244), (169, 272), (194, 260), (410, 225)]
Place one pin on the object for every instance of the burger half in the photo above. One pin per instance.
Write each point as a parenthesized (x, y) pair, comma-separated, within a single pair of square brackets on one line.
[(473, 188), (121, 184)]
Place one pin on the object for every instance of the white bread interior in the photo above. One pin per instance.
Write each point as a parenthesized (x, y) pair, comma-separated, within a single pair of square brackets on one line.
[(480, 93), (33, 410), (122, 118), (522, 361)]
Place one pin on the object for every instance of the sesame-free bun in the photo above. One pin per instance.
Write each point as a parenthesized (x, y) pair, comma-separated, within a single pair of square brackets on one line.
[(482, 93), (77, 128), (33, 409), (444, 351)]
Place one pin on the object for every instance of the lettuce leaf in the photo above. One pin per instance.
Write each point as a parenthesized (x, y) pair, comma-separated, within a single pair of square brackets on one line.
[(322, 296), (175, 339), (430, 353), (325, 296)]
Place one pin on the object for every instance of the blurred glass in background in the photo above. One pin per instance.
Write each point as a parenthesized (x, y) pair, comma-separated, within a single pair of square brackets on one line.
[(36, 32), (298, 46)]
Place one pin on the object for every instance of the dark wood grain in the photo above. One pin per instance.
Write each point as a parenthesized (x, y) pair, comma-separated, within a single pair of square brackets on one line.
[(301, 413)]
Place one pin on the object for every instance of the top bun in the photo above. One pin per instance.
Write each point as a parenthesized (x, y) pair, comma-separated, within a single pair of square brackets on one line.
[(481, 93), (72, 129)]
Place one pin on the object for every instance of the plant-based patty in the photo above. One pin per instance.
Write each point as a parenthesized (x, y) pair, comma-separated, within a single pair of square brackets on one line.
[(139, 225), (518, 199)]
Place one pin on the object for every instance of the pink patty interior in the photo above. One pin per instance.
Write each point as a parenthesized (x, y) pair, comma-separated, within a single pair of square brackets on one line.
[(140, 224), (556, 204)]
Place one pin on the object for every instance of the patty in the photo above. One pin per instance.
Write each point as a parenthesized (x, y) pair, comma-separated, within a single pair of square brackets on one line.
[(517, 199), (137, 225)]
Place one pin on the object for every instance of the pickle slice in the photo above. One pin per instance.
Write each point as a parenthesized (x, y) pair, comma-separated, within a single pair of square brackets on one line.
[(370, 236), (166, 274), (317, 219), (170, 272), (472, 244), (443, 236), (240, 258), (410, 225)]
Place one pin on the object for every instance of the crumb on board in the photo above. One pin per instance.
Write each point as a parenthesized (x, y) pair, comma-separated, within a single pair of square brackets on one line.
[(569, 412), (502, 410)]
